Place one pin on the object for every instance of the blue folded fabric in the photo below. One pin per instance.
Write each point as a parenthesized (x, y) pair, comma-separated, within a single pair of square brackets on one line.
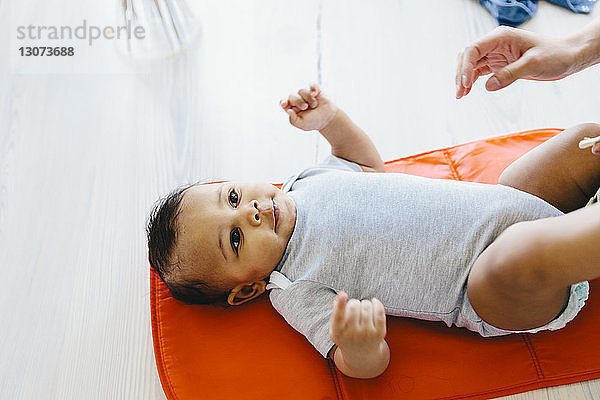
[(511, 12), (578, 6), (515, 12)]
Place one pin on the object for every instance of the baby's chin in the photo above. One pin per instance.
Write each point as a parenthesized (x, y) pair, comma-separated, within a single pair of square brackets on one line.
[(286, 217)]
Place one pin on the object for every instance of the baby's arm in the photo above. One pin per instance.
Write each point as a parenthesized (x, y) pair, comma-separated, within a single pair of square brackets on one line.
[(312, 110), (358, 331)]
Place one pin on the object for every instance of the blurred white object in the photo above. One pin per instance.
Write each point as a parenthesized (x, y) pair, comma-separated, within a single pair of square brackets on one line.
[(156, 28), (588, 142)]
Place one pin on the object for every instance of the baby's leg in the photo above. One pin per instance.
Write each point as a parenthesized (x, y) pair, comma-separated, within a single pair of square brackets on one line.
[(522, 280), (557, 170)]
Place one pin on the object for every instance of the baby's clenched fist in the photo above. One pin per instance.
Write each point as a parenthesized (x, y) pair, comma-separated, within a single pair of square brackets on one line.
[(309, 109), (357, 325)]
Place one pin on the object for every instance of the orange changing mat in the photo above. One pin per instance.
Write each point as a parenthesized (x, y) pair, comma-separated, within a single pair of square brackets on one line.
[(250, 352)]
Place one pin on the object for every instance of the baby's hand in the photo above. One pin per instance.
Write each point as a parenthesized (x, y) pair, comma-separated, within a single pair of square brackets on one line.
[(309, 109), (357, 326)]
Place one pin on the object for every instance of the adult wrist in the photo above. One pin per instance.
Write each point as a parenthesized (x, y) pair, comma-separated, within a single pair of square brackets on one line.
[(586, 49)]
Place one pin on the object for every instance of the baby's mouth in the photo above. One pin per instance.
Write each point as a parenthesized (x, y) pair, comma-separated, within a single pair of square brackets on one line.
[(275, 215)]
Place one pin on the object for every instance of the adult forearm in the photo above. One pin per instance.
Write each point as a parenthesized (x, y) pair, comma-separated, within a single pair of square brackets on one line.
[(587, 43), (350, 142), (363, 363)]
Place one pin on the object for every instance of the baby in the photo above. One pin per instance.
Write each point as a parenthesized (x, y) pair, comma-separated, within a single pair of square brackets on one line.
[(341, 248)]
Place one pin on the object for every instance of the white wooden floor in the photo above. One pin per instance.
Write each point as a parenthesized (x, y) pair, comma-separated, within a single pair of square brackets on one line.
[(87, 149)]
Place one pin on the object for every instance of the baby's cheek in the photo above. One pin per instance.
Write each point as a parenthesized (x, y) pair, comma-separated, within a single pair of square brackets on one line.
[(268, 256)]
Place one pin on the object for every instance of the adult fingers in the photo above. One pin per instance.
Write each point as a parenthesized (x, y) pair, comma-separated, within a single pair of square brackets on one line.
[(483, 70), (510, 73), (470, 57), (482, 47), (470, 64), (460, 90)]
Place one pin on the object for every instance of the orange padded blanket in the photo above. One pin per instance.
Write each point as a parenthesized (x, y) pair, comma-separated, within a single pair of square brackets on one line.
[(250, 352)]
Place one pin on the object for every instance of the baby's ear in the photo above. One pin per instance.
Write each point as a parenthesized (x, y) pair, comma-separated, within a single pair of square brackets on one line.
[(245, 292)]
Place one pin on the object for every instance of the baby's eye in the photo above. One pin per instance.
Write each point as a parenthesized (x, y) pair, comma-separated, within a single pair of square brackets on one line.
[(233, 198), (235, 239)]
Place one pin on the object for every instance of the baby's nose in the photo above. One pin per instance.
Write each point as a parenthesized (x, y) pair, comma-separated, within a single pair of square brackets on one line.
[(258, 212), (254, 214)]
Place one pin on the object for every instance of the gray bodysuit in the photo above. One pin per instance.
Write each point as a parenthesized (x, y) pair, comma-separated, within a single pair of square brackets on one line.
[(406, 240)]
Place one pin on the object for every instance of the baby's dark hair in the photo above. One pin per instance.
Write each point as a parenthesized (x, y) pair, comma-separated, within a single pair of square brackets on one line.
[(162, 230)]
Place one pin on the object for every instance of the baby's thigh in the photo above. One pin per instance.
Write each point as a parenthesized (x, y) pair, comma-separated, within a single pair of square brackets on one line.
[(505, 287), (557, 170)]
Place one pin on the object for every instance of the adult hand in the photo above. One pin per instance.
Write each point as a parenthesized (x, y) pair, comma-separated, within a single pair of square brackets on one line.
[(510, 54)]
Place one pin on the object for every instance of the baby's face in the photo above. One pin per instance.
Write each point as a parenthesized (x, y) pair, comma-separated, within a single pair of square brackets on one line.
[(235, 232)]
